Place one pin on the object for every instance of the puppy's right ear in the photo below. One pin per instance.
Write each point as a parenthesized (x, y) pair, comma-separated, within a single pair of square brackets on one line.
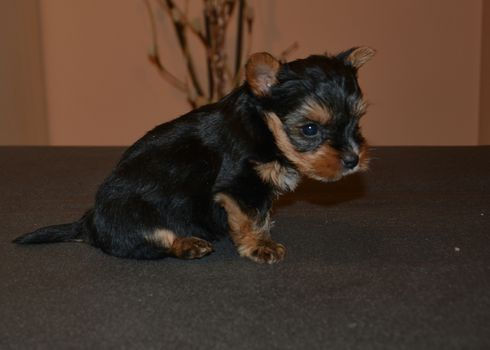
[(260, 72)]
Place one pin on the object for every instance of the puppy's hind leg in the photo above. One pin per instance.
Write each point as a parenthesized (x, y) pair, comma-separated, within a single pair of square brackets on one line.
[(181, 247)]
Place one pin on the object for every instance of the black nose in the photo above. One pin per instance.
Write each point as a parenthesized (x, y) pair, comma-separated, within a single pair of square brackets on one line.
[(350, 160)]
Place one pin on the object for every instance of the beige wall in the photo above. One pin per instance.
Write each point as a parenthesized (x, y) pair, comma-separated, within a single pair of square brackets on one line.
[(424, 84), (22, 99), (100, 87), (484, 127)]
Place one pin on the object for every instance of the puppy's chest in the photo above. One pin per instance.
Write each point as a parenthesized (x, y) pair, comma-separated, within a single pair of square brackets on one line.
[(282, 178)]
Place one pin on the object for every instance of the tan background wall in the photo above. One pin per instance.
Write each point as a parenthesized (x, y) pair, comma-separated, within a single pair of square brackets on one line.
[(22, 99), (424, 84), (485, 78)]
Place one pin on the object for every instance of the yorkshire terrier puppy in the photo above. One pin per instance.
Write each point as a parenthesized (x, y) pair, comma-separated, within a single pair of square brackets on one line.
[(215, 171)]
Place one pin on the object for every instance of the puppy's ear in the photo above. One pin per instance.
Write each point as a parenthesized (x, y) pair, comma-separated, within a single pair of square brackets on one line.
[(260, 72), (357, 56)]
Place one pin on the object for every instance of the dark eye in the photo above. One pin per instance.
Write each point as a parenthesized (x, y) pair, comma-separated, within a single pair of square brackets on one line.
[(309, 129)]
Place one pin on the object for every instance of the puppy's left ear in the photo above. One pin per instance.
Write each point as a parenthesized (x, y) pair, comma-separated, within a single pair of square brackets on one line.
[(260, 72), (357, 56)]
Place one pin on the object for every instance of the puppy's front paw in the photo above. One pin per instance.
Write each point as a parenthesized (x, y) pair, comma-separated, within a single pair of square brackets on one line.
[(265, 251)]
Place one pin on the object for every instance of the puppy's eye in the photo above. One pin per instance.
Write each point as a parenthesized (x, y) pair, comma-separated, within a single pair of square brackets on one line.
[(309, 129)]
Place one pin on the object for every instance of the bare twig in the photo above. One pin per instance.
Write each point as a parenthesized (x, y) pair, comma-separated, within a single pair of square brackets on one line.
[(249, 19), (154, 55), (175, 13), (283, 57), (209, 63), (239, 37), (221, 75), (179, 27)]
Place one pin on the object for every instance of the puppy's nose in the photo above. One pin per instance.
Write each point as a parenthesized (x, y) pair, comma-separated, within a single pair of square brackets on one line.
[(350, 160)]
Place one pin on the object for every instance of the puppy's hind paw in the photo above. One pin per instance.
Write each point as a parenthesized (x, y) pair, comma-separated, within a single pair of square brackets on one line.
[(191, 248)]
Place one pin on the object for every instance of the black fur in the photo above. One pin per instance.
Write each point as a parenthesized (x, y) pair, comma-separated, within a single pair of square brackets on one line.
[(168, 179)]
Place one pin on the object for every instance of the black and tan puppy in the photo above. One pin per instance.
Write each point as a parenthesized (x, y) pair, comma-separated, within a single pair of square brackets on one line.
[(216, 170)]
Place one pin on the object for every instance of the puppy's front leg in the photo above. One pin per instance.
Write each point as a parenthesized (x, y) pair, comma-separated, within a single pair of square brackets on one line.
[(250, 234)]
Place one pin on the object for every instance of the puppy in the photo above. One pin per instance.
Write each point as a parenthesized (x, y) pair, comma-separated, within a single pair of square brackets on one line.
[(215, 171)]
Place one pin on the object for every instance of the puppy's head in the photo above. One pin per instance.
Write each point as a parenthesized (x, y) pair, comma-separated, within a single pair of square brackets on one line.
[(313, 107)]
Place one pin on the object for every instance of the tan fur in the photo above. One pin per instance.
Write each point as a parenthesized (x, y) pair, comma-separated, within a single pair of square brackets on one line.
[(315, 112), (322, 164), (282, 141), (325, 164), (260, 72), (251, 237), (363, 158), (241, 225), (164, 238), (181, 247), (282, 178), (360, 56), (190, 248)]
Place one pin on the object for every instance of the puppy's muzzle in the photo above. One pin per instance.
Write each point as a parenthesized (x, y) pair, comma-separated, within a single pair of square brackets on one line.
[(350, 160)]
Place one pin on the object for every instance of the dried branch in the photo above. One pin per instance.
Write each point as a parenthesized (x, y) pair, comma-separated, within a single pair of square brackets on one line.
[(283, 57), (154, 55), (221, 76), (239, 37), (209, 62), (179, 26), (175, 13)]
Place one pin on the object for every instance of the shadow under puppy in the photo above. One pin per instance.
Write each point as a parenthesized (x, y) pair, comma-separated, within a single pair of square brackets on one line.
[(216, 170)]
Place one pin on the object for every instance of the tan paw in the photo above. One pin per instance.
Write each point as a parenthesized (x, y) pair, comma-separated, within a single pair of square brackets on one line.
[(191, 248), (265, 251)]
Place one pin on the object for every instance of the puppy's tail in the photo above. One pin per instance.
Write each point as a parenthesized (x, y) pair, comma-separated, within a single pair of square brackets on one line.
[(72, 232)]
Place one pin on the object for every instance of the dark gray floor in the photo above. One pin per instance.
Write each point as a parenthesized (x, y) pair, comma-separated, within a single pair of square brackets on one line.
[(397, 258)]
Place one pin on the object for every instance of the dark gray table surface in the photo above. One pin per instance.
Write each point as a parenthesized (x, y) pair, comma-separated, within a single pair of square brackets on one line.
[(395, 258)]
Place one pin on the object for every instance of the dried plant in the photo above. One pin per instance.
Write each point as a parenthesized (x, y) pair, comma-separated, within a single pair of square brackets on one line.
[(211, 33)]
